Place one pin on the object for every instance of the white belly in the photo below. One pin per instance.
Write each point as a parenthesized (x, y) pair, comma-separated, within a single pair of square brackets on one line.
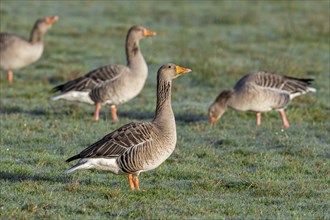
[(107, 164), (75, 96)]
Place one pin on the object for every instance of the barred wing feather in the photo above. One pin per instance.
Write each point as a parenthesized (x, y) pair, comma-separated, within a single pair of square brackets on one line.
[(119, 141), (92, 79), (274, 81)]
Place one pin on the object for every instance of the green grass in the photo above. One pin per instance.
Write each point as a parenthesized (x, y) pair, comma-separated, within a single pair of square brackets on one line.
[(231, 171)]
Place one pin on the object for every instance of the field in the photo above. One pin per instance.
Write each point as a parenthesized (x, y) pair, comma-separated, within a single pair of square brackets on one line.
[(233, 170)]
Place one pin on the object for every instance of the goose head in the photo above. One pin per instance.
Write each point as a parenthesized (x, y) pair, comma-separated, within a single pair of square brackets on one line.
[(138, 32), (219, 106), (44, 24), (171, 71)]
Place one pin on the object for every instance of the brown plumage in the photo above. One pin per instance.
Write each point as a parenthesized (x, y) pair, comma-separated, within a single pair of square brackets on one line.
[(112, 84), (16, 52), (260, 92), (137, 147)]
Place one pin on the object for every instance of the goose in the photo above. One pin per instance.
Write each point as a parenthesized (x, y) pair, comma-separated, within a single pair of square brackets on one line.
[(260, 92), (112, 84), (137, 147), (16, 52)]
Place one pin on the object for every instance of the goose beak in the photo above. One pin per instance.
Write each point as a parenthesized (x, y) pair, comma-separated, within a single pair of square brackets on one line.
[(181, 70), (148, 33), (51, 20), (212, 120)]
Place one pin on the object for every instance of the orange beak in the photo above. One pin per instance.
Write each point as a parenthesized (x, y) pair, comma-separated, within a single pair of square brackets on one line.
[(148, 33), (213, 120), (181, 70), (51, 20)]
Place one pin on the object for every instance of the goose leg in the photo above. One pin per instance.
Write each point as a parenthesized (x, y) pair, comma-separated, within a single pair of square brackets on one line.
[(285, 121), (258, 118), (97, 111), (136, 183), (114, 113), (10, 76), (131, 183)]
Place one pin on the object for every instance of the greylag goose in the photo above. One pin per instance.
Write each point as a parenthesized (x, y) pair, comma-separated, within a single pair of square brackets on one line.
[(260, 92), (16, 52), (112, 84), (137, 147)]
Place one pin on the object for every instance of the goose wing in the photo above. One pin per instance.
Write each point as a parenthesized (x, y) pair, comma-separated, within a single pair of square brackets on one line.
[(277, 82), (261, 91), (118, 142), (108, 88), (93, 79), (8, 41)]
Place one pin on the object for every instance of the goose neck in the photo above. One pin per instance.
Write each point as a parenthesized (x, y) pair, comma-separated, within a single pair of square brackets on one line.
[(164, 114), (36, 36), (134, 56)]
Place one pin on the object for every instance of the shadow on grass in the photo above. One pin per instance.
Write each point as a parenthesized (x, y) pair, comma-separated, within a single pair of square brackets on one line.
[(18, 110), (150, 115), (70, 110), (137, 115), (128, 114), (18, 177), (238, 185), (221, 142), (191, 117), (56, 178)]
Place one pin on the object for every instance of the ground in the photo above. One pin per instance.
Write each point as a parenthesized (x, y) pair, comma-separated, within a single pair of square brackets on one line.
[(232, 170)]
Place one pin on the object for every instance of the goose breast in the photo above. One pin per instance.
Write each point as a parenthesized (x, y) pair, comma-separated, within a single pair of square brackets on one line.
[(16, 53)]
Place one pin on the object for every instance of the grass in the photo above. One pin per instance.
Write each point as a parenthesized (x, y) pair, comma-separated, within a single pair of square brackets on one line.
[(231, 171)]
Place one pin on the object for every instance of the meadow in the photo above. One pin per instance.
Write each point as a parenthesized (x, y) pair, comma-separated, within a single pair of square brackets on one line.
[(233, 170)]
